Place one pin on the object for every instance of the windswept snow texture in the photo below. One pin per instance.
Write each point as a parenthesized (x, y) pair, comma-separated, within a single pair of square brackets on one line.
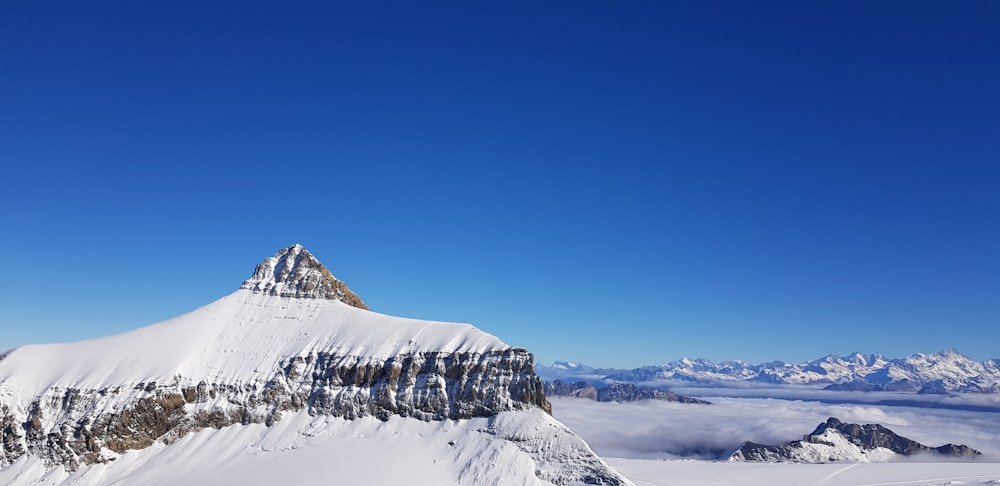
[(239, 338), (512, 448), (705, 473)]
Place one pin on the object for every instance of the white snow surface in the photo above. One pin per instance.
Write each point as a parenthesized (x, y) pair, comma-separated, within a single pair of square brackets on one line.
[(709, 473), (240, 337), (513, 448)]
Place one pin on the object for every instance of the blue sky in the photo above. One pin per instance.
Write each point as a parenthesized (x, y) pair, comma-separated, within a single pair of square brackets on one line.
[(620, 183)]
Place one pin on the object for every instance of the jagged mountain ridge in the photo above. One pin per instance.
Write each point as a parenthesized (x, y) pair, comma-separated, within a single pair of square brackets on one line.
[(289, 343), (834, 441), (614, 392), (945, 372)]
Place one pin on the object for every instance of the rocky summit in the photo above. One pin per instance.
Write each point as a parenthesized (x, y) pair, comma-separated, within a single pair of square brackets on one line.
[(294, 272)]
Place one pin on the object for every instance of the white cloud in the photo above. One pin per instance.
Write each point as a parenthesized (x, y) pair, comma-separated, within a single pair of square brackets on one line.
[(653, 429)]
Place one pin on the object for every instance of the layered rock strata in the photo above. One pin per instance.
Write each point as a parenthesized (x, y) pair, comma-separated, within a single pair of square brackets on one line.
[(82, 426), (292, 340)]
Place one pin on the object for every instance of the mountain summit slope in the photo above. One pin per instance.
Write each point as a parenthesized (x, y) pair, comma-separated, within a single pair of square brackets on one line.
[(294, 272), (293, 347)]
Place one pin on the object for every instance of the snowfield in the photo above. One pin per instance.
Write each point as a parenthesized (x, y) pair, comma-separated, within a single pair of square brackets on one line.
[(707, 473), (326, 450)]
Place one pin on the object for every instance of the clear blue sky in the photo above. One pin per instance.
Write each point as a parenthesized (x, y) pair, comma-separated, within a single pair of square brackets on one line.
[(620, 183)]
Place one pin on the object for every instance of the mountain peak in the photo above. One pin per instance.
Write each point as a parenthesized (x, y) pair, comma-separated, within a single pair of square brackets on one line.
[(834, 440), (294, 272)]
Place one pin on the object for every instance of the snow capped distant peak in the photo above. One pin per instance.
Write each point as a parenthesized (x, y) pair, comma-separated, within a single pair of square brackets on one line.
[(571, 366), (294, 272), (950, 353)]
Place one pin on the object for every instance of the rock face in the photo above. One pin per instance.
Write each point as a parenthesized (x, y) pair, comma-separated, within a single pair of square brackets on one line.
[(614, 392), (580, 389), (285, 343), (834, 441), (71, 426), (294, 272)]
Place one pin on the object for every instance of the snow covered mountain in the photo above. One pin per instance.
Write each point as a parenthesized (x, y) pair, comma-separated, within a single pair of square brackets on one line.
[(835, 441), (570, 371), (945, 372), (290, 362)]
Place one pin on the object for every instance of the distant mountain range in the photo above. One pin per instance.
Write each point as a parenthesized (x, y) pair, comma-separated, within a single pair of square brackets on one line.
[(945, 372)]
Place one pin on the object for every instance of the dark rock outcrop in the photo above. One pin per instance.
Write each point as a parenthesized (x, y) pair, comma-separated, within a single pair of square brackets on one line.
[(614, 392), (627, 392), (843, 441), (870, 436), (580, 389)]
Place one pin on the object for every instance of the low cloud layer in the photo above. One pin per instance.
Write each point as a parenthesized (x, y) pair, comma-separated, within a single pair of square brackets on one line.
[(652, 429)]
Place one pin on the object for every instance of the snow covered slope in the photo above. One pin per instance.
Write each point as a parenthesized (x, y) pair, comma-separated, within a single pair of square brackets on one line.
[(241, 337), (291, 345), (527, 448), (712, 473)]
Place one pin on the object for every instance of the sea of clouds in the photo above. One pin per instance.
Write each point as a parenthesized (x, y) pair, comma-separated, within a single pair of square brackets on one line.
[(653, 429)]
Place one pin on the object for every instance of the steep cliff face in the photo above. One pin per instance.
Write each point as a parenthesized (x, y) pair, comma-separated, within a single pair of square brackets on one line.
[(290, 342), (72, 426)]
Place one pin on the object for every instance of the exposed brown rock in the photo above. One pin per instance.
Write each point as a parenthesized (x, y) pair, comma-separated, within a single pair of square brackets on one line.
[(425, 386), (294, 272)]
